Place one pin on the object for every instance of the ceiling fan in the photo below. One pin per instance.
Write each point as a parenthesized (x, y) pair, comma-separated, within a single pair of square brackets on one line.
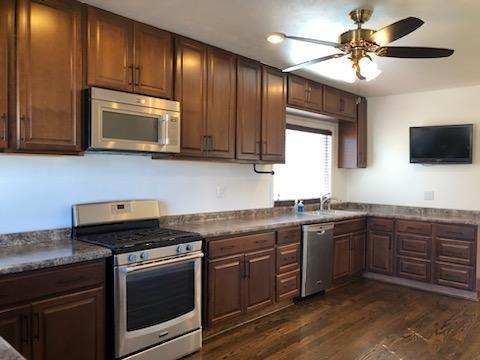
[(360, 43)]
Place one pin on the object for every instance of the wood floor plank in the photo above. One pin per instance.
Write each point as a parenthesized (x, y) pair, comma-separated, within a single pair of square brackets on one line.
[(365, 320)]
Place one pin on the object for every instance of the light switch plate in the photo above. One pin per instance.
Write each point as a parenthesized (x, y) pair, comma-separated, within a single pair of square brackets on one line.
[(220, 193), (429, 195)]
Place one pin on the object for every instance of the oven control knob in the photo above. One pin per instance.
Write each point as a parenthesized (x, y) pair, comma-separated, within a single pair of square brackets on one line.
[(181, 249), (144, 255), (132, 258), (190, 247)]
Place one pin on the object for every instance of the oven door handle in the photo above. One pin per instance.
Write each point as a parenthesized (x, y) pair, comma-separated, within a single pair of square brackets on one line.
[(162, 262)]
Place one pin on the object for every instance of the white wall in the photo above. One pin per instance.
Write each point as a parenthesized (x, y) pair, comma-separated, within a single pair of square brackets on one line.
[(390, 178), (36, 192)]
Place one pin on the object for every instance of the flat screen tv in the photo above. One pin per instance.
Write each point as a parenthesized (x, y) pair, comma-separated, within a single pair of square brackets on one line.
[(451, 144)]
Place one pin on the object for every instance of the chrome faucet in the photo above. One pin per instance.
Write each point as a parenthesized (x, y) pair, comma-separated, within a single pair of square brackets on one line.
[(325, 200)]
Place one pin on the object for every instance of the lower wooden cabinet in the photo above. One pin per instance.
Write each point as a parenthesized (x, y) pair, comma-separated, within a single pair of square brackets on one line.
[(414, 269), (380, 245), (67, 324), (348, 249), (241, 283), (14, 328), (457, 276), (259, 279), (248, 273)]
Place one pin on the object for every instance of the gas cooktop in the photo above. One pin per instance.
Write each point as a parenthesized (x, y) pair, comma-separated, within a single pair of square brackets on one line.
[(140, 239)]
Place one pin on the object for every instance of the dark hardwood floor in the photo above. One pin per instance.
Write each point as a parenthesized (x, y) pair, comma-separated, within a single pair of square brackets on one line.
[(364, 320)]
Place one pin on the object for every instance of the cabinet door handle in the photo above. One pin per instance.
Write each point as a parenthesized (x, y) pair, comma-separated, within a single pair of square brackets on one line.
[(210, 142), (4, 120), (242, 269), (137, 77), (25, 327), (247, 263), (23, 127), (204, 143), (264, 147), (342, 104), (132, 75), (257, 147), (36, 326)]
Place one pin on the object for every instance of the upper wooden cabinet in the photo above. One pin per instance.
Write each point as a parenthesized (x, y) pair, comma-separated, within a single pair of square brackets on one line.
[(49, 68), (6, 35), (191, 91), (205, 85), (128, 56), (274, 102), (305, 94), (221, 101), (249, 109), (339, 103), (352, 139)]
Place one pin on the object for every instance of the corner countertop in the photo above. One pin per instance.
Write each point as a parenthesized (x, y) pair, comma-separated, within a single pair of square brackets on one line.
[(217, 228), (7, 352), (20, 257)]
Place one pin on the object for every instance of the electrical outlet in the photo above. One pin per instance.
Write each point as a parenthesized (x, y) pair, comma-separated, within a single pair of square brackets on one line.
[(429, 195), (220, 193)]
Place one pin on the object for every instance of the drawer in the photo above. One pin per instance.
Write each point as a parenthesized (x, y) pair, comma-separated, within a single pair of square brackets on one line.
[(455, 231), (290, 235), (414, 269), (288, 285), (288, 257), (414, 227), (349, 226), (377, 224), (39, 283), (455, 251), (240, 244), (457, 276), (414, 245)]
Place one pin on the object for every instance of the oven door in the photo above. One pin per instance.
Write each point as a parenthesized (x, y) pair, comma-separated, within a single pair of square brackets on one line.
[(156, 301), (127, 127)]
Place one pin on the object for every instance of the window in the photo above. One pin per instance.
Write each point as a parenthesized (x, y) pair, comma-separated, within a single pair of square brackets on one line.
[(306, 173)]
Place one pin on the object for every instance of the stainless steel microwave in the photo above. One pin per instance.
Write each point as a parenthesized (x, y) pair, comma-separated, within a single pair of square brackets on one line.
[(119, 121)]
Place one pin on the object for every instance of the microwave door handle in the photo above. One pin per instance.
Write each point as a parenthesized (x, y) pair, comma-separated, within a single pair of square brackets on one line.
[(162, 130), (166, 139)]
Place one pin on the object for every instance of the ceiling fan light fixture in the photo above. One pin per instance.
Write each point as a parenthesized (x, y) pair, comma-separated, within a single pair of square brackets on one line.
[(368, 68), (275, 37)]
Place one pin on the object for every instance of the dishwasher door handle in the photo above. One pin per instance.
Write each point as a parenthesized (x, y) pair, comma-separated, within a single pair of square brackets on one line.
[(321, 232)]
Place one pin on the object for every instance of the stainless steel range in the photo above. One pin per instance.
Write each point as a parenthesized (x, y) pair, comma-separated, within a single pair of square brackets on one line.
[(155, 277)]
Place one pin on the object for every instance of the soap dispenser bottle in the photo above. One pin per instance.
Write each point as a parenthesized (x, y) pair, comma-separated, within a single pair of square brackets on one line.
[(300, 207)]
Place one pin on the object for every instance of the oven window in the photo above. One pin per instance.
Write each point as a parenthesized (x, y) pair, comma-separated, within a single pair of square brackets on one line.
[(159, 294), (129, 127)]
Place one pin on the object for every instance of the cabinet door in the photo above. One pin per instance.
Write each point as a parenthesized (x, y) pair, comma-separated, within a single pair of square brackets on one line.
[(50, 75), (273, 115), (297, 91), (69, 326), (14, 328), (362, 133), (225, 288), (249, 109), (380, 252), (153, 61), (191, 91), (259, 279), (110, 50), (221, 100), (339, 103), (315, 96), (6, 20), (341, 257), (358, 253)]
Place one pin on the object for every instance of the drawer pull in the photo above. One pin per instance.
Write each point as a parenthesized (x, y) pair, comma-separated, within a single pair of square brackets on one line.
[(260, 241), (453, 277), (228, 247)]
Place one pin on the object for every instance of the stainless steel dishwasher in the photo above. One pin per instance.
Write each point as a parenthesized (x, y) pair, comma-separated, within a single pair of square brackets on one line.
[(317, 242)]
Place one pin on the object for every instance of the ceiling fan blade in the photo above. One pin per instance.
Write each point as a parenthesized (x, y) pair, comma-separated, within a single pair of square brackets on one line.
[(315, 41), (311, 62), (413, 52), (395, 31)]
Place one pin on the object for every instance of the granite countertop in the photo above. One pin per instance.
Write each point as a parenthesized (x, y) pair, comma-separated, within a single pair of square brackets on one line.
[(20, 257), (216, 228), (430, 218), (7, 352)]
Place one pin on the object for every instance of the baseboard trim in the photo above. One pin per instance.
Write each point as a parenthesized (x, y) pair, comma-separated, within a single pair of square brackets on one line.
[(462, 294)]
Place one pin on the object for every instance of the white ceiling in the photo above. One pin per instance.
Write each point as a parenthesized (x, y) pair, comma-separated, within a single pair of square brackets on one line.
[(240, 26)]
